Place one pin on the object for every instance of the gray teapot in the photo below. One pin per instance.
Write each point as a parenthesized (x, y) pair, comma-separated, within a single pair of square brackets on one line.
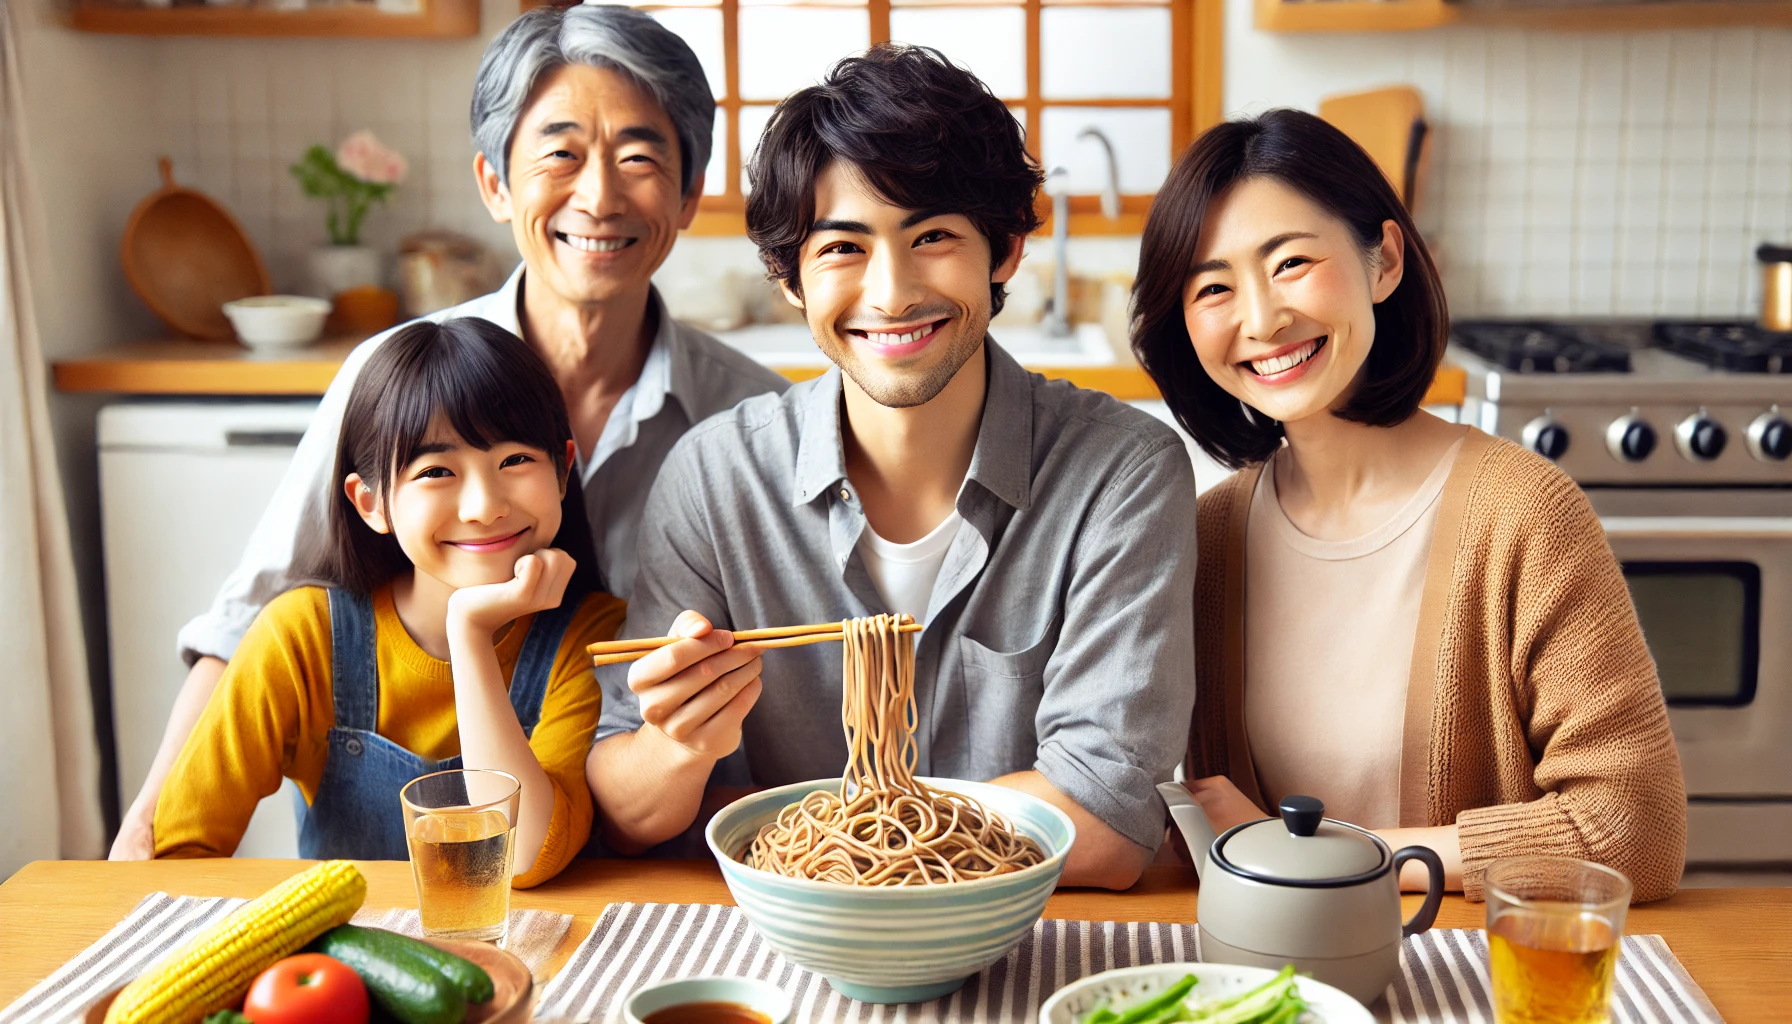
[(1306, 890)]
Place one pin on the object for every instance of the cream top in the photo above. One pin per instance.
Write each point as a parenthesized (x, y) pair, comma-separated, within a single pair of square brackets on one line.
[(1329, 629)]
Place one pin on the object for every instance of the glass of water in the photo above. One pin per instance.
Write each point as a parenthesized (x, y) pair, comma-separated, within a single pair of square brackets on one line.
[(461, 825)]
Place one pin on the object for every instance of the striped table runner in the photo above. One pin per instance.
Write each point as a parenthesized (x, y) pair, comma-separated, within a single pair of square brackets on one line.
[(1443, 972), (162, 922)]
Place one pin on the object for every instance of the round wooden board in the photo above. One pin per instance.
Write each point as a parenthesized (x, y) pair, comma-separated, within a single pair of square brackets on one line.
[(511, 985)]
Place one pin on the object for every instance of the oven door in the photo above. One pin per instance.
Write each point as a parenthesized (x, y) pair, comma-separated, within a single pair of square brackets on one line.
[(1714, 595)]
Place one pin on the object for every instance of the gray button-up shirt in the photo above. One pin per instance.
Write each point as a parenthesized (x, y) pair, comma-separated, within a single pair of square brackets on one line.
[(701, 375), (1058, 634)]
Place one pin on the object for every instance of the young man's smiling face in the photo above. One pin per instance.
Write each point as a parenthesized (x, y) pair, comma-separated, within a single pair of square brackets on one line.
[(898, 299), (593, 197)]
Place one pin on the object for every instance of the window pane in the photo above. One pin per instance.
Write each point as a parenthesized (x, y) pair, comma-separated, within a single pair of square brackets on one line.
[(651, 4), (715, 177), (1104, 52), (752, 125), (783, 49), (1141, 139), (991, 41), (702, 29)]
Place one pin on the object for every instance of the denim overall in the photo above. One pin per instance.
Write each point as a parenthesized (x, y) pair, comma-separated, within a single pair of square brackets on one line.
[(356, 813)]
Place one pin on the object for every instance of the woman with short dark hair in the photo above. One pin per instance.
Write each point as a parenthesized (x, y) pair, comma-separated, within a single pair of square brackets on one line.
[(1418, 623)]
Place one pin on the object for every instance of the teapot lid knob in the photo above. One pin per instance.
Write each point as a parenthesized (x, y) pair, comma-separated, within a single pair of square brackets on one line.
[(1302, 814)]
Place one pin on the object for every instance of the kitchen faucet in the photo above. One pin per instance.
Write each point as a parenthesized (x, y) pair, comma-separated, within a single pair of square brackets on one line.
[(1057, 185)]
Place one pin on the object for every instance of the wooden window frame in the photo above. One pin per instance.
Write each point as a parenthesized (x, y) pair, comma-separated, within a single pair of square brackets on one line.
[(1195, 102)]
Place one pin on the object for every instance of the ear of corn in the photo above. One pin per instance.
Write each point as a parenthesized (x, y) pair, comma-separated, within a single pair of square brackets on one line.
[(213, 970)]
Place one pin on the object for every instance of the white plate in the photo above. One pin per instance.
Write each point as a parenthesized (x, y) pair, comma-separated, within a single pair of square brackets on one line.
[(1128, 985)]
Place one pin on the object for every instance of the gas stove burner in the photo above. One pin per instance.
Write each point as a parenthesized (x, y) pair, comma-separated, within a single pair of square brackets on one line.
[(1739, 348), (1529, 347)]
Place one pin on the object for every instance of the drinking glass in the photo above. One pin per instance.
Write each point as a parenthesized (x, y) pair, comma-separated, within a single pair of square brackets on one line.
[(1553, 925), (461, 826)]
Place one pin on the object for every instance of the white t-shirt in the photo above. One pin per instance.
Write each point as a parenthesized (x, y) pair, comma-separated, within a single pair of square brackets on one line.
[(904, 573)]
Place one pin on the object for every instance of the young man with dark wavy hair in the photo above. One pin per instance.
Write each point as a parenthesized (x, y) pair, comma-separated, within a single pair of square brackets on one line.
[(1035, 529)]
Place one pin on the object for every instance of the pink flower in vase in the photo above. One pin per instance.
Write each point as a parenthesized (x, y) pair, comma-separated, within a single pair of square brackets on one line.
[(365, 157)]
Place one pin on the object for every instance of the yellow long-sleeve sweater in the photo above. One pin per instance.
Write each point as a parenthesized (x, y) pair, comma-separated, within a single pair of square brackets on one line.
[(271, 714)]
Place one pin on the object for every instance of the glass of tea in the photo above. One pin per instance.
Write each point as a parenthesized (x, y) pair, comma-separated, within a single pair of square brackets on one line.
[(1553, 925), (461, 825)]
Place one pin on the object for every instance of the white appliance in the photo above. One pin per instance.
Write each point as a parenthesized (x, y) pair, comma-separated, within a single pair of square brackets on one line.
[(181, 488), (1678, 434)]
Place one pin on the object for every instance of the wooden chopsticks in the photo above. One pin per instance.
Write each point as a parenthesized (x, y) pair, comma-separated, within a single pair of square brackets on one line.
[(615, 652)]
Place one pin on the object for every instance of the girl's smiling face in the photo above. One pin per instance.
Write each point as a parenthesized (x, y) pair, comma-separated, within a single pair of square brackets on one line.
[(465, 515), (1280, 302)]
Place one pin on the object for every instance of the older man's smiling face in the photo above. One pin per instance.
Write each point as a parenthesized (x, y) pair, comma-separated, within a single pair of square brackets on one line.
[(593, 196)]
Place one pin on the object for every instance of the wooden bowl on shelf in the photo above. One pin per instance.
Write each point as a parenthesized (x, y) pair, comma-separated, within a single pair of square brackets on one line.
[(185, 256)]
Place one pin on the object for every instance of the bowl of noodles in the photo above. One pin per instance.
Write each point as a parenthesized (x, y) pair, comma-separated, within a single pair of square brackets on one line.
[(894, 887)]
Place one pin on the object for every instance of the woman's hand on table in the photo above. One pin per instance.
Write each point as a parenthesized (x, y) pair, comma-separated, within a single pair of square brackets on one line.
[(1443, 841)]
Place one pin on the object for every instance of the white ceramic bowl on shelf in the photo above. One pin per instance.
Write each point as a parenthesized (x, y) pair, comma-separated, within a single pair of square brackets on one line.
[(895, 944), (277, 321)]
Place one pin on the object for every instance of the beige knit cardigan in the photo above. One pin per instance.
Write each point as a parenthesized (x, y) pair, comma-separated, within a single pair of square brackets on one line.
[(1534, 717)]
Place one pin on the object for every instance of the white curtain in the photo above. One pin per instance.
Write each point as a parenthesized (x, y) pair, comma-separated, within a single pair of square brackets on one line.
[(49, 760)]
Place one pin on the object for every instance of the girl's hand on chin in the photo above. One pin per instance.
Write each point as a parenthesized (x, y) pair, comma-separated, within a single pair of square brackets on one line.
[(539, 584)]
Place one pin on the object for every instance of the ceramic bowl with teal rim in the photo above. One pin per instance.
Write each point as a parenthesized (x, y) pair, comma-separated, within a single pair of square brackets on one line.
[(899, 944)]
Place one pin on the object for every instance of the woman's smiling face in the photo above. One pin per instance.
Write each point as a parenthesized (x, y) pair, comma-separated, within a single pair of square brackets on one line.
[(1280, 302)]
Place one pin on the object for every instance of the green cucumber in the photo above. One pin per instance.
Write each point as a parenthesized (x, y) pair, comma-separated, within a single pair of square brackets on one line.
[(472, 980), (403, 983)]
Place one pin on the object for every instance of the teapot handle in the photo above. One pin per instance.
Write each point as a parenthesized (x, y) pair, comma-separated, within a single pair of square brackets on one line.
[(1434, 887)]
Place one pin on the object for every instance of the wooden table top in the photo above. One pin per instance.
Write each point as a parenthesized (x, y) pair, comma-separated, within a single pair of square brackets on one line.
[(189, 367), (1737, 943)]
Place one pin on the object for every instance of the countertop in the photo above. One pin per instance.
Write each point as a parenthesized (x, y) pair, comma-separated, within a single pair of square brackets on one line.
[(1736, 943), (188, 367)]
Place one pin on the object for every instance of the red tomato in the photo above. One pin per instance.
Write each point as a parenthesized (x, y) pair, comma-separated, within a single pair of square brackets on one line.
[(310, 988)]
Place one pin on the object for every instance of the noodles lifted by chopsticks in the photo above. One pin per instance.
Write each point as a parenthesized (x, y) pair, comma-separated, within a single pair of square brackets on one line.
[(885, 827)]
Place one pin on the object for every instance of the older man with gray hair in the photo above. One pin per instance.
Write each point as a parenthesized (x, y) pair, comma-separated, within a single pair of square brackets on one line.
[(593, 126)]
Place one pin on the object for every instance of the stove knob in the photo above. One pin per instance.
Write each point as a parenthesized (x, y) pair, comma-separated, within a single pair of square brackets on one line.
[(1700, 438), (1770, 437), (1546, 436), (1630, 438)]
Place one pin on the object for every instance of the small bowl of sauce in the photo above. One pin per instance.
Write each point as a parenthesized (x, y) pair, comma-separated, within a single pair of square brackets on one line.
[(708, 1001)]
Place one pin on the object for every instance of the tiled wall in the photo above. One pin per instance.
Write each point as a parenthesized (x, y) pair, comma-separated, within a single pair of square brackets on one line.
[(1574, 173), (235, 113)]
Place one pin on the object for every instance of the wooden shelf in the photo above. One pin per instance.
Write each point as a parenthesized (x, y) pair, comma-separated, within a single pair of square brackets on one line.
[(438, 19), (1667, 14), (1352, 15), (1403, 15)]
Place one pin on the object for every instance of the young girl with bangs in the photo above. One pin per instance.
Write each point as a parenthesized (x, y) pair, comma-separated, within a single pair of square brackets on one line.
[(451, 632), (1419, 624)]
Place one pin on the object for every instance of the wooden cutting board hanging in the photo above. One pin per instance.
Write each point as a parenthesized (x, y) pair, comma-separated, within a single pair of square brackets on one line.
[(185, 256)]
